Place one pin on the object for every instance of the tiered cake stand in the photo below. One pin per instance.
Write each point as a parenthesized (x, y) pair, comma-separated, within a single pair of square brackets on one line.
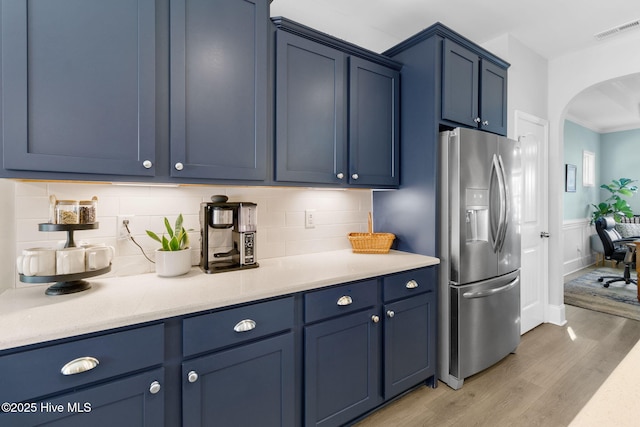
[(66, 283)]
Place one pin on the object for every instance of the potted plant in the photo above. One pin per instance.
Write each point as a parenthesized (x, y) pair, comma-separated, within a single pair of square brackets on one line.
[(174, 257), (615, 205)]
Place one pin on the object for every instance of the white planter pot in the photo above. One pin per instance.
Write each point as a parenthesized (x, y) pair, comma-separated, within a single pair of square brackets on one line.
[(173, 263)]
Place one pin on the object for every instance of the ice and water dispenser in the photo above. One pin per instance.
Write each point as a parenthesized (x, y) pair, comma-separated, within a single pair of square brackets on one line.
[(477, 215)]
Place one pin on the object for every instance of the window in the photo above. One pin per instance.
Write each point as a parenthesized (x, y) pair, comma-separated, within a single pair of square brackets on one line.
[(588, 169)]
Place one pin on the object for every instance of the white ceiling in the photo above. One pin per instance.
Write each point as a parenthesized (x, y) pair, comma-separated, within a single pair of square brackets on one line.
[(551, 28)]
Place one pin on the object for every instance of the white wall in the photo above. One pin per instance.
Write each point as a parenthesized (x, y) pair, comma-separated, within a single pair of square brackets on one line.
[(281, 231), (568, 76)]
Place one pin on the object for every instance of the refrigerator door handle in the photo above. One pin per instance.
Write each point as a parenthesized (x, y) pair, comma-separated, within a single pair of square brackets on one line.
[(493, 291), (506, 201), (496, 232)]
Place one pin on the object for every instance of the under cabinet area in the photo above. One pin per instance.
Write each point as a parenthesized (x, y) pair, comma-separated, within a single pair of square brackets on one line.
[(336, 112), (474, 89)]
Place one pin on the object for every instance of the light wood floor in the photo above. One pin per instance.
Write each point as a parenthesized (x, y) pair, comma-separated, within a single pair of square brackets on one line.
[(552, 375)]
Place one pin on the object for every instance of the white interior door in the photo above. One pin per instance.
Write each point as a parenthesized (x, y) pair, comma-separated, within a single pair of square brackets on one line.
[(533, 134)]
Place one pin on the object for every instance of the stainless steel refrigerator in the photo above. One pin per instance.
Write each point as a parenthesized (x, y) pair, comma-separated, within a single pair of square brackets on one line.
[(479, 310)]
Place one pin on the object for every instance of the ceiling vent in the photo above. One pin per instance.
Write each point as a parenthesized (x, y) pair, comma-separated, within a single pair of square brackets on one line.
[(633, 25)]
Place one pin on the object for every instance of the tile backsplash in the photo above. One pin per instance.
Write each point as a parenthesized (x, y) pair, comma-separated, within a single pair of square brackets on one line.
[(281, 217)]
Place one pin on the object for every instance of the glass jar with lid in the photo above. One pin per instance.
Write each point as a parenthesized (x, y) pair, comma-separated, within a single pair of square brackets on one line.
[(67, 212), (88, 211)]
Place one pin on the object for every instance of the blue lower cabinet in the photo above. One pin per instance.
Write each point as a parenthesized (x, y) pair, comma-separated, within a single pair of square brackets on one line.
[(136, 400), (342, 368), (409, 350), (248, 385)]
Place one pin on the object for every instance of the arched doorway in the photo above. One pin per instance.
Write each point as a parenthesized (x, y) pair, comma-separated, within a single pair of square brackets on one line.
[(568, 76)]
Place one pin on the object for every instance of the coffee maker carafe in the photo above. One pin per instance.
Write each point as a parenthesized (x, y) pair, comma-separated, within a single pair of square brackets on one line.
[(228, 235)]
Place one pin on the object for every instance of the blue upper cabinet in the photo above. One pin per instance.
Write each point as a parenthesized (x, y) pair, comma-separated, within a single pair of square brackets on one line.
[(474, 89), (311, 136), (336, 111), (373, 123), (219, 82), (78, 86)]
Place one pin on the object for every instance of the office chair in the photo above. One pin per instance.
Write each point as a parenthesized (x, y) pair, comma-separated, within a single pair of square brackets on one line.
[(615, 249)]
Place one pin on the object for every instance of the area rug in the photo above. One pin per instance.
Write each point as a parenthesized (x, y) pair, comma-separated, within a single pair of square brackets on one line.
[(618, 299)]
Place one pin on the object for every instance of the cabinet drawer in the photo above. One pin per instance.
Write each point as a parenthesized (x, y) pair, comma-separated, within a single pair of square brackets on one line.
[(209, 332), (409, 283), (34, 373), (340, 300)]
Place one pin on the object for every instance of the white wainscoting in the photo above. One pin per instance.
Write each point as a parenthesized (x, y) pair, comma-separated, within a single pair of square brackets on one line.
[(577, 251)]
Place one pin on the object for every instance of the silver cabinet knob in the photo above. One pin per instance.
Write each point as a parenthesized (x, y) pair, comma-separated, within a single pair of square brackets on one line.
[(192, 376), (375, 319), (355, 176), (390, 313), (179, 166), (155, 387), (147, 164), (485, 123), (340, 175), (477, 120)]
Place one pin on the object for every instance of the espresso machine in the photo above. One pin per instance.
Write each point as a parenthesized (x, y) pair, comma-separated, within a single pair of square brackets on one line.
[(227, 235)]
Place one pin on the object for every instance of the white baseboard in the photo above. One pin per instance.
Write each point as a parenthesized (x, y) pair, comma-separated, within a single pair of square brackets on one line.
[(556, 315)]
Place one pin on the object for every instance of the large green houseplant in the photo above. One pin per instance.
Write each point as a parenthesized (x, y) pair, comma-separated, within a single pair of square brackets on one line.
[(615, 205), (174, 257)]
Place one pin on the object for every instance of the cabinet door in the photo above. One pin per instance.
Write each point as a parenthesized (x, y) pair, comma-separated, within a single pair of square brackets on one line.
[(342, 369), (460, 86), (310, 111), (493, 97), (136, 400), (219, 76), (410, 340), (78, 86), (373, 124), (250, 385)]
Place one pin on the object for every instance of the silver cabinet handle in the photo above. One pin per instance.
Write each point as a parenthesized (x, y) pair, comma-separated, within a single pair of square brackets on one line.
[(79, 365), (345, 300), (147, 164), (179, 166), (340, 175), (485, 123), (355, 176), (477, 120), (375, 318), (245, 325), (390, 313), (155, 387), (192, 376), (411, 284)]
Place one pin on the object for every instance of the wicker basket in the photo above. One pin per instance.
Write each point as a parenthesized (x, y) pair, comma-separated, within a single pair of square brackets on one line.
[(371, 243)]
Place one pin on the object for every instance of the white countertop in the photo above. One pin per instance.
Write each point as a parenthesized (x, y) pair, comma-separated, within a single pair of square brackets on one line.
[(28, 316), (614, 404)]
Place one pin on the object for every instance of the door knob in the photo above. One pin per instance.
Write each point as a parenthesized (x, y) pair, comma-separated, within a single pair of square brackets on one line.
[(179, 166), (147, 164), (340, 175), (192, 376), (544, 234), (155, 387)]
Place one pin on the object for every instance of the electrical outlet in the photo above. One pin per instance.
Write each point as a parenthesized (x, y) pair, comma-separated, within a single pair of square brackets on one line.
[(310, 218), (122, 230)]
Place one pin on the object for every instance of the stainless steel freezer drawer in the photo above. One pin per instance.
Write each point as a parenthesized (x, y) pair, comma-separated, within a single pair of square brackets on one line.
[(485, 323)]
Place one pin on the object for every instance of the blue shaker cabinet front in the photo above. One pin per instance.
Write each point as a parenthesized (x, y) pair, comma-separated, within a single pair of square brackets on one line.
[(78, 86), (219, 78), (474, 90), (336, 111)]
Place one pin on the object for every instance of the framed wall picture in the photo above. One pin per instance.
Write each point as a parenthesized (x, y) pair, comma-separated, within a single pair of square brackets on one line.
[(570, 178)]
